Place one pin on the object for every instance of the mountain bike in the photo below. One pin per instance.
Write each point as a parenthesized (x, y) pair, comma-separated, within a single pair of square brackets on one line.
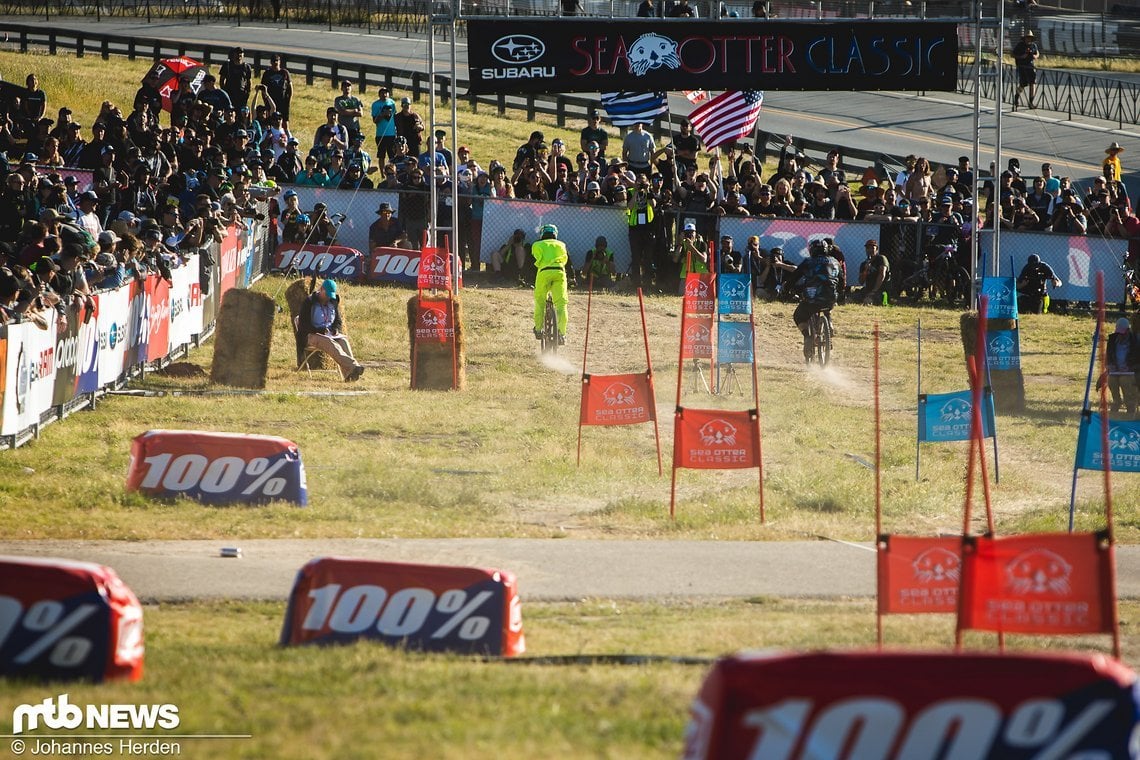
[(819, 333), (550, 328)]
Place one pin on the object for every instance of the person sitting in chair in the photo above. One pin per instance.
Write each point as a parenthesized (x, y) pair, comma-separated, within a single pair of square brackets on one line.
[(321, 326)]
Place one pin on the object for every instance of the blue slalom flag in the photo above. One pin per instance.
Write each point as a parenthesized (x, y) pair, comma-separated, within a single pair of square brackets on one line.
[(734, 294), (1123, 444), (734, 343), (1002, 292), (947, 416), (1003, 349)]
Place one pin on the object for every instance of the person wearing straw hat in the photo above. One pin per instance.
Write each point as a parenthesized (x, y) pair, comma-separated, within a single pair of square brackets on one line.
[(1112, 156), (1025, 55)]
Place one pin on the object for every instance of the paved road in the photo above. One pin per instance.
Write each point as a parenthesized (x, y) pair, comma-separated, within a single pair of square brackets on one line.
[(548, 569), (939, 125)]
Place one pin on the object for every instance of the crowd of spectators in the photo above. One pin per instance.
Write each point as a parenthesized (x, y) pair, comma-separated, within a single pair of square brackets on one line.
[(179, 185)]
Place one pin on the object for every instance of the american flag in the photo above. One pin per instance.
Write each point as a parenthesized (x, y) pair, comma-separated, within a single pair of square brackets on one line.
[(628, 108), (727, 117)]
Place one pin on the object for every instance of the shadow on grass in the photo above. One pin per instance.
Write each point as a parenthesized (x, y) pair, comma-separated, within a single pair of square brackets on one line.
[(826, 505)]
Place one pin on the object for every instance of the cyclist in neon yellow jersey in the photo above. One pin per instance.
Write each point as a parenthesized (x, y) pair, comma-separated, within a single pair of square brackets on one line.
[(550, 258)]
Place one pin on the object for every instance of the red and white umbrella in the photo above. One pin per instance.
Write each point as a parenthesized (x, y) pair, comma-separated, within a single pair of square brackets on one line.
[(173, 77)]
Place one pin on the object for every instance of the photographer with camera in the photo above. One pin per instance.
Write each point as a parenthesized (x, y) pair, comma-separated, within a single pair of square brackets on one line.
[(640, 217), (1068, 215)]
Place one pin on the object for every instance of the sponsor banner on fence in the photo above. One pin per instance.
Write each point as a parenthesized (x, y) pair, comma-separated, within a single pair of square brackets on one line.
[(1003, 349), (158, 317), (64, 621), (326, 261), (30, 386), (603, 55), (397, 265), (709, 439), (433, 608), (114, 333), (66, 356), (948, 416), (578, 227), (217, 468), (696, 336), (918, 574), (1123, 444), (1055, 583), (734, 343), (904, 706), (616, 399), (734, 294), (1075, 259), (1002, 294)]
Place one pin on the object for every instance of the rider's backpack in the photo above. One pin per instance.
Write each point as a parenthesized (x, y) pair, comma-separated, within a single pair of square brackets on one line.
[(820, 280)]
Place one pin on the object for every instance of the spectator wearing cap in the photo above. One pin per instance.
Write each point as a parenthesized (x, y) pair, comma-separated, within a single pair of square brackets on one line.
[(358, 156), (325, 230), (355, 179), (288, 217), (236, 77), (322, 324), (387, 231), (390, 178), (500, 183), (872, 202), (279, 86), (729, 260), (556, 159), (88, 218), (1068, 215), (1052, 182), (441, 149), (384, 117), (527, 153), (874, 274), (337, 169), (638, 148), (14, 207), (593, 195), (106, 271), (691, 253), (593, 132), (349, 109), (410, 126), (1040, 200)]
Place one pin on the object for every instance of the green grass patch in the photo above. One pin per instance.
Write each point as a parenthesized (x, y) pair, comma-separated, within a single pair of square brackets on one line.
[(221, 665)]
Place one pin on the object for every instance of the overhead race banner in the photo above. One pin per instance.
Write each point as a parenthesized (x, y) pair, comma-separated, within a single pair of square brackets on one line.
[(603, 55)]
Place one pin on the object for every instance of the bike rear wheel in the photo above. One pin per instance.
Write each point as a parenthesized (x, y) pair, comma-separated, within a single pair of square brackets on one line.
[(823, 342), (550, 328)]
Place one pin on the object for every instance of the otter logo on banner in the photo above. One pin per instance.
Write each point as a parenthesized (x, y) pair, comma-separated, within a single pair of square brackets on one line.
[(616, 399), (734, 343), (734, 294), (699, 289), (1003, 349), (433, 322), (696, 337), (1123, 444), (947, 416), (918, 575), (1049, 583), (435, 270), (1002, 294), (652, 51), (717, 440)]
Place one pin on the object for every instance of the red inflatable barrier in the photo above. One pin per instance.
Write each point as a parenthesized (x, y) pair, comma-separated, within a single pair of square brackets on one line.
[(913, 706), (217, 468), (64, 620), (918, 574), (434, 608), (329, 261), (1053, 584)]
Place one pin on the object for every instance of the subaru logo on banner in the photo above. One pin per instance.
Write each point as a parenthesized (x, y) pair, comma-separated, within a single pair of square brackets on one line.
[(734, 294), (734, 343), (1123, 444), (1002, 294), (948, 416), (1003, 349)]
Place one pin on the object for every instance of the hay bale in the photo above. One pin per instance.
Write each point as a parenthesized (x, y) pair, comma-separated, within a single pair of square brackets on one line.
[(431, 360), (241, 343), (1008, 384)]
